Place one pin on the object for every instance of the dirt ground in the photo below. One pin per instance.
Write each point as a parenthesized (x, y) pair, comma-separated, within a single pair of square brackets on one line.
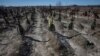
[(34, 31)]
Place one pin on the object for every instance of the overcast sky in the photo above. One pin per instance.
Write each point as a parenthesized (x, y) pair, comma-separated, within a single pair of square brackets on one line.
[(48, 2)]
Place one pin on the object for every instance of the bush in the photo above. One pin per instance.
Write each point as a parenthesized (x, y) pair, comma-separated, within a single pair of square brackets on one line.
[(70, 27), (52, 27), (93, 26)]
